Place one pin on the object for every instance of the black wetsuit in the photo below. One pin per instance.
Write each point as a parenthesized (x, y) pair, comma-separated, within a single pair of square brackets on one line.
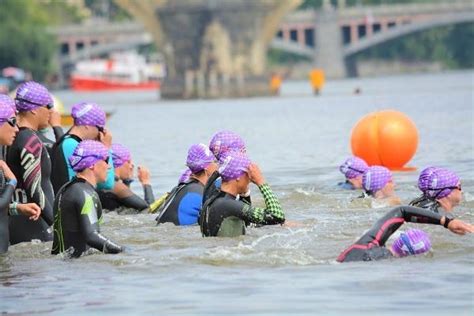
[(183, 204), (427, 203), (223, 215), (112, 202), (6, 193), (346, 185), (29, 161), (371, 246), (77, 214), (61, 173), (48, 143)]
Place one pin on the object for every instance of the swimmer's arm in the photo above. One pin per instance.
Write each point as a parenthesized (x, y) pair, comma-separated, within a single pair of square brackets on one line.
[(92, 235), (58, 132), (127, 198), (271, 215), (418, 215), (109, 183), (6, 196), (148, 194)]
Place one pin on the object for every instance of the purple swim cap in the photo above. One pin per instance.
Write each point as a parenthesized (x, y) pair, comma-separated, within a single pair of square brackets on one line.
[(31, 95), (413, 242), (185, 176), (375, 178), (425, 178), (199, 157), (7, 107), (120, 155), (87, 154), (438, 183), (353, 167), (233, 165), (225, 141), (88, 114)]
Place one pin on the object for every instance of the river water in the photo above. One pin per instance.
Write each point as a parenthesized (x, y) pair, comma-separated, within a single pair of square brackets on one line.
[(298, 140)]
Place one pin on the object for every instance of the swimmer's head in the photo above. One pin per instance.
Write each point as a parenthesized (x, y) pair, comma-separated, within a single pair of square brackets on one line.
[(439, 183), (425, 178), (233, 165), (8, 127), (199, 158), (185, 176), (87, 154), (225, 141), (376, 178), (353, 167), (412, 242), (88, 114), (120, 155), (31, 95)]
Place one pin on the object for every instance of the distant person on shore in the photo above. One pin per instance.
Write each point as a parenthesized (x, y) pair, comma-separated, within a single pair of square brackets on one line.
[(441, 190), (378, 183), (317, 80), (183, 205), (89, 124), (77, 207), (223, 214), (371, 246), (353, 168), (121, 197)]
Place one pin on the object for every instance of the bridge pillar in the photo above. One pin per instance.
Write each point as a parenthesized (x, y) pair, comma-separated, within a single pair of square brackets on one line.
[(217, 46), (329, 46)]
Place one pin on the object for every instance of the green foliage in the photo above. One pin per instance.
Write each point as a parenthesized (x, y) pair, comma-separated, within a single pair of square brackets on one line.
[(24, 41), (278, 57), (451, 45)]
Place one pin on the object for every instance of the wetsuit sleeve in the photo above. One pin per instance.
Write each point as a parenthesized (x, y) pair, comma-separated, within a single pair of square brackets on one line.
[(271, 214), (148, 194), (109, 183), (390, 222), (68, 147), (89, 224), (58, 132), (127, 198), (6, 196), (30, 170)]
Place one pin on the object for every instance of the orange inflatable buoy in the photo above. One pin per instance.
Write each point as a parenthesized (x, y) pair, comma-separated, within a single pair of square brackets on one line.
[(387, 138)]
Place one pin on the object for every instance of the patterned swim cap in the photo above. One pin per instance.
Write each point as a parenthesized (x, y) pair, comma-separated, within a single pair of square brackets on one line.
[(185, 176), (225, 141), (87, 154), (7, 107), (425, 178), (31, 95), (233, 165), (438, 182), (353, 167), (199, 157), (375, 178), (88, 114), (120, 155), (412, 242)]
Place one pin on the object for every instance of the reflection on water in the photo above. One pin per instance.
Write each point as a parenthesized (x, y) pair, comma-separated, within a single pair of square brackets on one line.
[(298, 140)]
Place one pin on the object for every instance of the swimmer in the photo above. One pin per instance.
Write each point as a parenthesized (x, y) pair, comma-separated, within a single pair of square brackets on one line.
[(183, 205), (378, 183), (121, 195), (77, 207), (353, 168), (89, 124), (223, 214), (441, 190), (221, 143), (371, 246), (29, 160), (8, 182)]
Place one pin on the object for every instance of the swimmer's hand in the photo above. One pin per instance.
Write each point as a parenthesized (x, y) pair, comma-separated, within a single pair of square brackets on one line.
[(111, 247), (31, 210), (292, 224), (105, 138), (459, 227), (255, 175), (55, 119), (143, 175)]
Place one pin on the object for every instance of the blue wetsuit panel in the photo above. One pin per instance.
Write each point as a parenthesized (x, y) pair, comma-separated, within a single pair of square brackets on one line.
[(189, 208)]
